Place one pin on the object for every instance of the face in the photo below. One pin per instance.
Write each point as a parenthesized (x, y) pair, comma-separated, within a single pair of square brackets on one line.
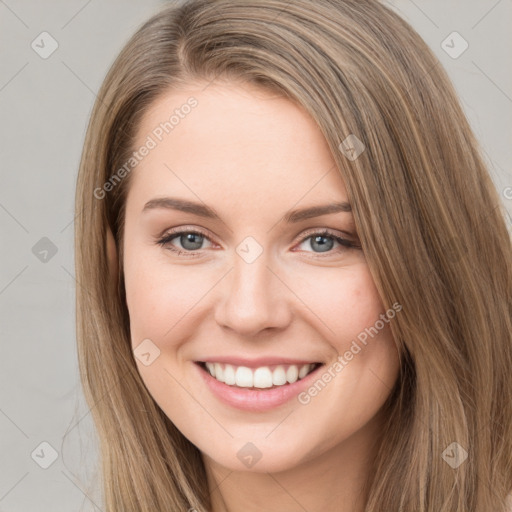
[(223, 276)]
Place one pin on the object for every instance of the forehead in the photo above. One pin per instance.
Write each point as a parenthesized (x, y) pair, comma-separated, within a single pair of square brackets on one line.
[(239, 142)]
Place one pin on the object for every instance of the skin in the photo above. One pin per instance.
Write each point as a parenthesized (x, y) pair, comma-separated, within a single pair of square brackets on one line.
[(240, 149)]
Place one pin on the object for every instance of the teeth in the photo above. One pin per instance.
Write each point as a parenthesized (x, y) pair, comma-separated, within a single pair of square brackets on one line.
[(243, 377), (292, 374), (262, 377), (279, 376), (218, 372), (229, 375), (303, 371)]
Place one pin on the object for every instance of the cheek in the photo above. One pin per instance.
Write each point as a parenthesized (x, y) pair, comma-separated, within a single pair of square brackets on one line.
[(350, 314), (344, 301), (142, 294), (162, 298), (365, 365)]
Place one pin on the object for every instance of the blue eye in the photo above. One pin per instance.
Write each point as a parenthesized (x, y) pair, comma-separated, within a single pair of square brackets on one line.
[(191, 241), (325, 240)]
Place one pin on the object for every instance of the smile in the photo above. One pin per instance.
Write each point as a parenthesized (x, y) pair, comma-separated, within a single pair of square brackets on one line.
[(256, 385), (263, 377)]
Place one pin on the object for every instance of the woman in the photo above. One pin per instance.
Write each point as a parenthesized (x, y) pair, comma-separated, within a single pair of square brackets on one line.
[(295, 274)]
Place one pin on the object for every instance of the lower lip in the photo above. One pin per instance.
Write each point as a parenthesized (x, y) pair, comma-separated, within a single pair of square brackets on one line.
[(255, 400)]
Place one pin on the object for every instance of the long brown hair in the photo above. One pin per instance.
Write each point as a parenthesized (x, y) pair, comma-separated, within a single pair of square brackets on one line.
[(427, 213)]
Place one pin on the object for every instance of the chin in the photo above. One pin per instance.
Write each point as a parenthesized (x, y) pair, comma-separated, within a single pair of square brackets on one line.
[(258, 457)]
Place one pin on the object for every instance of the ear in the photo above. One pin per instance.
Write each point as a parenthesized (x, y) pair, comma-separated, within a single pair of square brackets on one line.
[(112, 256)]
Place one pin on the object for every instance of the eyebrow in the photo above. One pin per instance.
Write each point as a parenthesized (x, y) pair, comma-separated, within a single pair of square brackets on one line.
[(202, 210)]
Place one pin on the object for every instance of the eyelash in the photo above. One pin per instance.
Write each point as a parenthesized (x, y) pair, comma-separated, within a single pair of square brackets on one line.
[(166, 239)]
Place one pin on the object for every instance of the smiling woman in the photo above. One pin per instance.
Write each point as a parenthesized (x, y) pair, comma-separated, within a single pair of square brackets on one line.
[(300, 296)]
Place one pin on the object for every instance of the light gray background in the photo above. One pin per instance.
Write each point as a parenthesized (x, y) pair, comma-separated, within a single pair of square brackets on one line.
[(45, 104)]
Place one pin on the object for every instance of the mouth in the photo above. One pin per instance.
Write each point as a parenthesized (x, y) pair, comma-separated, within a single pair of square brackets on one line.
[(262, 377)]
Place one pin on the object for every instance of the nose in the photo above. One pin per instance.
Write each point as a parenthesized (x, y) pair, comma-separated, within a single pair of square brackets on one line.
[(252, 298)]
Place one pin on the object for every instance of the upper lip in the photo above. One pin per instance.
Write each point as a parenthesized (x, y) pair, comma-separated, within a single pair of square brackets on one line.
[(257, 362)]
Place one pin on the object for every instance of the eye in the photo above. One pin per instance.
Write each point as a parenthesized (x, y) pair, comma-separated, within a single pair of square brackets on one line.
[(324, 241), (191, 241)]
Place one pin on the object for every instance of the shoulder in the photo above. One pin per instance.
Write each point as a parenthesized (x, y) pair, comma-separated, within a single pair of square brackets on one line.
[(509, 503)]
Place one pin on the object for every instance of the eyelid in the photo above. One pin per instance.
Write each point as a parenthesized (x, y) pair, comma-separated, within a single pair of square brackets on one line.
[(174, 232), (328, 231), (179, 229)]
